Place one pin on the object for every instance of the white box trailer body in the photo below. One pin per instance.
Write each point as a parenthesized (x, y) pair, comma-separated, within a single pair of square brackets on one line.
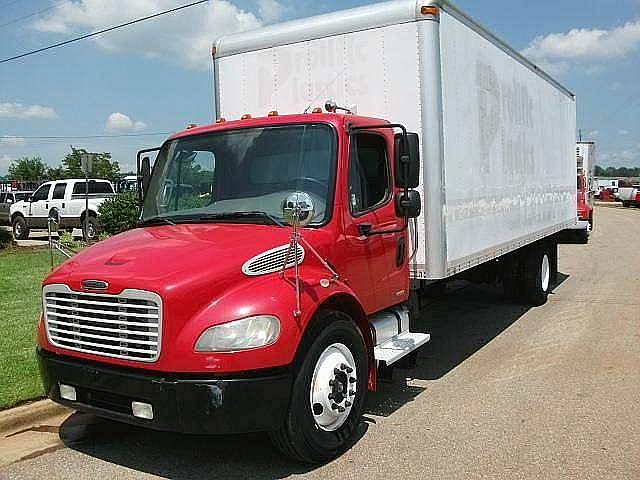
[(586, 157), (586, 162), (497, 135)]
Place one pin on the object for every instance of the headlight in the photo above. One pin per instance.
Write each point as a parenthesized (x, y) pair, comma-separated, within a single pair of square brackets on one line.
[(251, 332)]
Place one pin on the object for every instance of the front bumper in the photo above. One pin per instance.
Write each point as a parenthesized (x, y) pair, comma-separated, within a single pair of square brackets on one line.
[(181, 403)]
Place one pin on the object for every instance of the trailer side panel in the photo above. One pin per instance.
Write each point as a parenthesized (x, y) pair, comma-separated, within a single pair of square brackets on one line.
[(508, 149)]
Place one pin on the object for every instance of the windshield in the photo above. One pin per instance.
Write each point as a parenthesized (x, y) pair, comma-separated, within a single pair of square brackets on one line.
[(213, 176)]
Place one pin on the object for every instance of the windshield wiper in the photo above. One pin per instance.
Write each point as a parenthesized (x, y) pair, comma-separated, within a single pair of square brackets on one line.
[(235, 215), (156, 221)]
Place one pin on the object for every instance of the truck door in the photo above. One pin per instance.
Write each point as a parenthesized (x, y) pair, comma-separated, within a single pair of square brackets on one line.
[(39, 207), (377, 270), (58, 200)]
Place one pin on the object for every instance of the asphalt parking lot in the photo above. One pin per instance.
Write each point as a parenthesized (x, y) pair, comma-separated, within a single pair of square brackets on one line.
[(501, 391)]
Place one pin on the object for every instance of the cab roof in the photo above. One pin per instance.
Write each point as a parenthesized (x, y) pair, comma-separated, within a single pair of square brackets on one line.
[(338, 120)]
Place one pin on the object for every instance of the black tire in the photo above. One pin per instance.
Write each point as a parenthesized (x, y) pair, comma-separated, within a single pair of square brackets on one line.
[(90, 229), (626, 204), (300, 437), (534, 287), (20, 228), (54, 214), (591, 222)]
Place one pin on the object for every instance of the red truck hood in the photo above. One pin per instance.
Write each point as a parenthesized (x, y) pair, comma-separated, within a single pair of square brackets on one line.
[(169, 259)]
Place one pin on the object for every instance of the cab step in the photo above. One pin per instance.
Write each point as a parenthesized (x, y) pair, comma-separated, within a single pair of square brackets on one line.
[(398, 346)]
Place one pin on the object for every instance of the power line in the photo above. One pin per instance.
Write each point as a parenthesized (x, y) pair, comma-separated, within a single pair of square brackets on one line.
[(98, 32), (39, 12), (81, 137), (6, 4)]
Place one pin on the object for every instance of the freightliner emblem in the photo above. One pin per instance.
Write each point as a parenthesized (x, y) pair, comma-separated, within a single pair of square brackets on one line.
[(94, 285)]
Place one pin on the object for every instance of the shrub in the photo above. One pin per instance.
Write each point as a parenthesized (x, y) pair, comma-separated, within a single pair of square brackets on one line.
[(68, 241), (6, 239), (119, 213)]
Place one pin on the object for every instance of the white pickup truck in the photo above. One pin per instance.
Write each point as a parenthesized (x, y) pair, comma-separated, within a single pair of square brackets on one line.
[(63, 200)]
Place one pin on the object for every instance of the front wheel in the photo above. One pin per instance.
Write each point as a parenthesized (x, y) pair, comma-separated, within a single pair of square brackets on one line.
[(20, 228), (328, 391)]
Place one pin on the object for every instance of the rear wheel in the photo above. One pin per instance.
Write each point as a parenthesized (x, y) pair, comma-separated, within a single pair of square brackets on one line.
[(90, 229), (328, 391), (626, 203), (20, 228), (536, 276)]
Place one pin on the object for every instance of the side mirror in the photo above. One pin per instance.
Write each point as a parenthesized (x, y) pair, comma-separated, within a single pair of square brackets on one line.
[(409, 205), (146, 173), (30, 199), (9, 201), (298, 209), (407, 160)]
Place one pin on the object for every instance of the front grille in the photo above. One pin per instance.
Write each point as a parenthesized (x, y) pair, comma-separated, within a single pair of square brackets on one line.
[(126, 326)]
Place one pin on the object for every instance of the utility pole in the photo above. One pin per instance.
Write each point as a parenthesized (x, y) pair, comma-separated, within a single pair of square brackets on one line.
[(86, 164)]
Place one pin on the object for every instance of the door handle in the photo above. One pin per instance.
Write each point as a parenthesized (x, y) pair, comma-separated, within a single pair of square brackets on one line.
[(365, 229), (400, 251)]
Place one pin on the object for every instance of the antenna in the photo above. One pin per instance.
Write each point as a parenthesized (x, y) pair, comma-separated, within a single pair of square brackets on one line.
[(580, 135)]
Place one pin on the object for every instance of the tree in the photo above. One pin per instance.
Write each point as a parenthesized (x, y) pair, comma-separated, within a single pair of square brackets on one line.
[(56, 173), (27, 169), (103, 166), (617, 172)]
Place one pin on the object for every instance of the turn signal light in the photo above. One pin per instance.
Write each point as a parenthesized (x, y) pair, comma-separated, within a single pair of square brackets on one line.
[(221, 120), (429, 10), (316, 110), (273, 113), (245, 116)]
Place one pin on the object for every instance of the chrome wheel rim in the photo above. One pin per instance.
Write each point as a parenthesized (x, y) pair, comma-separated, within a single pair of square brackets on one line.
[(333, 387), (90, 232), (18, 230), (544, 272)]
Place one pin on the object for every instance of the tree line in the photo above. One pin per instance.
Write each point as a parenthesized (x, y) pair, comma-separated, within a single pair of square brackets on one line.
[(33, 169), (616, 172)]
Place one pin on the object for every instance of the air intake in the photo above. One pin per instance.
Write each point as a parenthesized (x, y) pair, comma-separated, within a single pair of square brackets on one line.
[(271, 261)]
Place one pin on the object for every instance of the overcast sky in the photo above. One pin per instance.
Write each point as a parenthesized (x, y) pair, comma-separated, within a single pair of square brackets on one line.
[(155, 76)]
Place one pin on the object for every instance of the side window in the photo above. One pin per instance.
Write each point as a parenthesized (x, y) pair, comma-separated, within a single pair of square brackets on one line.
[(94, 188), (58, 191), (3, 197), (369, 183), (42, 193)]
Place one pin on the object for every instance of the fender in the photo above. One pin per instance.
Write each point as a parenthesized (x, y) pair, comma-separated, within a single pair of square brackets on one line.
[(270, 294)]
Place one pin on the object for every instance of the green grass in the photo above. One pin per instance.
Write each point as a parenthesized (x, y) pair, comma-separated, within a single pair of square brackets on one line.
[(21, 274)]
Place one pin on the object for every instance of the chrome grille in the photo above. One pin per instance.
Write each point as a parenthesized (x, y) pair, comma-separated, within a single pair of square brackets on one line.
[(126, 326), (271, 261)]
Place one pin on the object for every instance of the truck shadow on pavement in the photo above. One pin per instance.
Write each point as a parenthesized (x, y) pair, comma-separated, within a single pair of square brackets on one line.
[(460, 323), (177, 456)]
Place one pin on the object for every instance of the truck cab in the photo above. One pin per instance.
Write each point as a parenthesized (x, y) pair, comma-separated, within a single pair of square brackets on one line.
[(218, 307), (63, 200)]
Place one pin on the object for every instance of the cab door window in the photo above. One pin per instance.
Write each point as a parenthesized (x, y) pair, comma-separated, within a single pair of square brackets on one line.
[(369, 185), (42, 193)]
